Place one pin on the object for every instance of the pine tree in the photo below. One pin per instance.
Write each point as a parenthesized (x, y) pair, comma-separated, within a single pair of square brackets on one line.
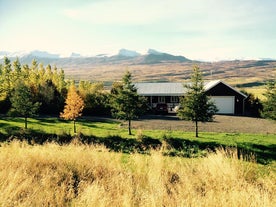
[(74, 106), (22, 102), (269, 105), (6, 77), (16, 73), (196, 105), (126, 103)]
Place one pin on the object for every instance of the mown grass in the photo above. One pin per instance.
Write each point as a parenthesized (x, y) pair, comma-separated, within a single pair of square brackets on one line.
[(88, 175), (114, 135), (115, 128)]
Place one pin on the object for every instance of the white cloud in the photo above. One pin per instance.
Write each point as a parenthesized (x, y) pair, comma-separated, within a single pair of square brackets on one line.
[(197, 28), (208, 17), (124, 11)]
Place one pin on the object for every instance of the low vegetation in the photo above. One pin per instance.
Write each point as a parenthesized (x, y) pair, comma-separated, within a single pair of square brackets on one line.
[(87, 175), (114, 135)]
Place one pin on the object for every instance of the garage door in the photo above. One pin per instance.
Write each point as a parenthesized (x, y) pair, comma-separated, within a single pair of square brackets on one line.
[(225, 104)]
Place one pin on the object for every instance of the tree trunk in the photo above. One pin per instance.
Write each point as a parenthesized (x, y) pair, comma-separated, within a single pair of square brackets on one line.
[(129, 127), (26, 123), (196, 122), (75, 131)]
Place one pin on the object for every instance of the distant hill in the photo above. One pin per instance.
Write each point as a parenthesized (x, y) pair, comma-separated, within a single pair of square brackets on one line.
[(124, 56), (154, 66), (154, 57), (128, 53)]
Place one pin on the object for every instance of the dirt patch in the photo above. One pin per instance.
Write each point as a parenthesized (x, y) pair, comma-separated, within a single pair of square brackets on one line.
[(228, 124)]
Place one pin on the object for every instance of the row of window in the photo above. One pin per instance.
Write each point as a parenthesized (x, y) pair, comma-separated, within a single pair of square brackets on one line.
[(162, 99)]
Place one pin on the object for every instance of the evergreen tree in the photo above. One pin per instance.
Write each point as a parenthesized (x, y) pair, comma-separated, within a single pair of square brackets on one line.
[(196, 105), (26, 72), (125, 102), (48, 96), (253, 105), (269, 105), (41, 74), (61, 85), (49, 72), (6, 85), (16, 69), (95, 98), (74, 106), (22, 102), (1, 83), (16, 75), (6, 76)]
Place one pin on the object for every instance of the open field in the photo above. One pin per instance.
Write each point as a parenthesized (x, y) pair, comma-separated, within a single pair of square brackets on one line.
[(257, 91), (235, 72), (248, 75), (221, 124), (257, 136), (95, 125), (90, 169), (82, 175)]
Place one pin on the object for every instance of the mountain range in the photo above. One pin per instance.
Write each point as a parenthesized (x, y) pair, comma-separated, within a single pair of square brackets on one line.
[(153, 66), (124, 55)]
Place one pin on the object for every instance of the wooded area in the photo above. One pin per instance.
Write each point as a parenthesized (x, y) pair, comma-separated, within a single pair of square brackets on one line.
[(45, 87)]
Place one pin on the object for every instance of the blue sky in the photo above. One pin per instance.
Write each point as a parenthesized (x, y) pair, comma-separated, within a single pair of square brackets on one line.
[(197, 29)]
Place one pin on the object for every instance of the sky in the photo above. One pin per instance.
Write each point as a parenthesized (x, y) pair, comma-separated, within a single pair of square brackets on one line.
[(197, 29)]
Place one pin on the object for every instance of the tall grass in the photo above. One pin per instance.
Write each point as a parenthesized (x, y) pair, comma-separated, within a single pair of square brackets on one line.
[(81, 175)]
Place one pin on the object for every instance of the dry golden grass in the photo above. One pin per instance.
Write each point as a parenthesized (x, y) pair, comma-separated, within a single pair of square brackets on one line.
[(257, 92), (233, 72), (79, 175)]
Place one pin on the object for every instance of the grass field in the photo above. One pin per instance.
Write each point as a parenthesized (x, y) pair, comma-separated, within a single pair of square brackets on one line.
[(250, 135), (155, 124), (82, 175), (257, 91), (90, 169)]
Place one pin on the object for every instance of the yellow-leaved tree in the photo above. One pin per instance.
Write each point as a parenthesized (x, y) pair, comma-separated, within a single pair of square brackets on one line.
[(74, 105)]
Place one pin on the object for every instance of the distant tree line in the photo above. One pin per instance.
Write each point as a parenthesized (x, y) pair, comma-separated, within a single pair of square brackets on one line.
[(45, 87)]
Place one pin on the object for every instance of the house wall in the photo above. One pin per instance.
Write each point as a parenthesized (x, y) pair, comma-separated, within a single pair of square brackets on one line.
[(171, 102), (223, 90), (219, 90)]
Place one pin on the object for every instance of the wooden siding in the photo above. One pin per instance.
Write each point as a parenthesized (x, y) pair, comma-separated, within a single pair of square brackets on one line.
[(223, 90)]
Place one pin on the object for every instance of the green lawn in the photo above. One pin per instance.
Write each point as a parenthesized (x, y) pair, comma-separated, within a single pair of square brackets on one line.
[(262, 144), (114, 128)]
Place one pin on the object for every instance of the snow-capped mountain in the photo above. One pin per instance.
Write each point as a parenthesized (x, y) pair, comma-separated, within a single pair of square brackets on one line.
[(154, 52), (18, 54), (128, 53), (123, 56), (43, 54)]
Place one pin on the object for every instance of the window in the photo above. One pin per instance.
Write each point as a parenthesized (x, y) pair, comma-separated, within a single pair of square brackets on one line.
[(174, 99), (161, 99)]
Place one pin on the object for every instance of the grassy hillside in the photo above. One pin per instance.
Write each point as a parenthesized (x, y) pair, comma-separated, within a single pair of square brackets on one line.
[(249, 75), (235, 72), (80, 175)]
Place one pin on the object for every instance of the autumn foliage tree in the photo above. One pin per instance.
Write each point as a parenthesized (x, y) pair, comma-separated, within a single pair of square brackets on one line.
[(74, 105)]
